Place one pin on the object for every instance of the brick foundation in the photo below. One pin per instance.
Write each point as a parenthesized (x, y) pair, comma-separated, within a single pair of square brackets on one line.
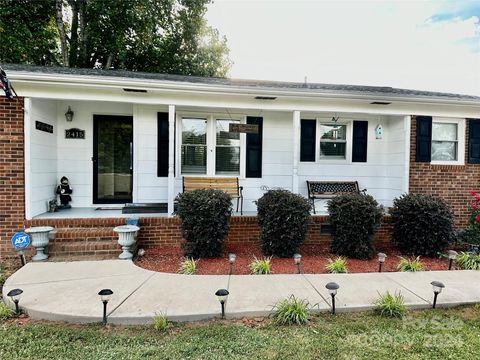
[(451, 182), (95, 237)]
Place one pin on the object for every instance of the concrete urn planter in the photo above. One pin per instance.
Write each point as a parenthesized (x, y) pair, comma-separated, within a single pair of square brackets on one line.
[(126, 239), (39, 240)]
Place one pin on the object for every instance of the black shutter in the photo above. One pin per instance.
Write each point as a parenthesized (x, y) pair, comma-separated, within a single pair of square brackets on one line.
[(424, 138), (254, 149), (360, 141), (162, 145), (473, 141), (308, 131)]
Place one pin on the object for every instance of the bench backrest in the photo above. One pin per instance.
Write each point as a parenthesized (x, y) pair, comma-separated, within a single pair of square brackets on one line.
[(227, 184), (332, 187)]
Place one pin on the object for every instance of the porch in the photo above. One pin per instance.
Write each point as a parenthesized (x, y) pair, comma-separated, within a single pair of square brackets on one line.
[(146, 161)]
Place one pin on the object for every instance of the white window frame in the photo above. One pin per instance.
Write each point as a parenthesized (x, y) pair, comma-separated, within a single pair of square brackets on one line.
[(460, 140), (348, 137), (211, 142)]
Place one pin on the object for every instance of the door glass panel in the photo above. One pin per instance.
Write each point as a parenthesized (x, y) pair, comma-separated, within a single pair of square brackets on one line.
[(227, 154), (194, 146), (114, 159)]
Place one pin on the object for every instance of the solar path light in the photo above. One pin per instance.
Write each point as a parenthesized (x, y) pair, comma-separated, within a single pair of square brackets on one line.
[(437, 287), (452, 255), (15, 295), (297, 258), (332, 290), (381, 260), (222, 295), (231, 259), (105, 295)]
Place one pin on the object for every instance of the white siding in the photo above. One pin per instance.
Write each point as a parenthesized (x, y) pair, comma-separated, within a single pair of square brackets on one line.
[(383, 173), (43, 155)]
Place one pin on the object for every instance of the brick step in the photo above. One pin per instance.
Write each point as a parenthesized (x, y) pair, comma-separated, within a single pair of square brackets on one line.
[(99, 242)]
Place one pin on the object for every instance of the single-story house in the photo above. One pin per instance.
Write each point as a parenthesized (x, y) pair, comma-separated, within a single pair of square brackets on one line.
[(129, 138)]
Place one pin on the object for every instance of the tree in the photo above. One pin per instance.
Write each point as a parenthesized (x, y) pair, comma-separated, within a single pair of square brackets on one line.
[(168, 36)]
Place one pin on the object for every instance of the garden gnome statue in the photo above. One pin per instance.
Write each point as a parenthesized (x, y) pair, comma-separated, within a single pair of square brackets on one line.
[(64, 191)]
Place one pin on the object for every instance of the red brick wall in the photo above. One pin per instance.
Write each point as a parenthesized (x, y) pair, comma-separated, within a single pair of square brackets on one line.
[(12, 200), (95, 237), (451, 182)]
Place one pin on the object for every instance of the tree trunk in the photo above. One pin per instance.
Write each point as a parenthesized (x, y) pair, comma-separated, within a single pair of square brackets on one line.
[(108, 65), (73, 58), (83, 61), (61, 31)]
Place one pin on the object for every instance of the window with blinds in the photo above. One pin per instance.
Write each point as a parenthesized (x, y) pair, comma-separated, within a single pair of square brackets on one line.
[(227, 149), (194, 146), (333, 141)]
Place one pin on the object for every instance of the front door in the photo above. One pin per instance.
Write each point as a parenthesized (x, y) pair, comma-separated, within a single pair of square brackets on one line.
[(112, 159)]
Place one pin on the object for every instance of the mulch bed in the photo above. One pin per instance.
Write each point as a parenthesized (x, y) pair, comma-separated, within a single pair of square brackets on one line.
[(314, 259)]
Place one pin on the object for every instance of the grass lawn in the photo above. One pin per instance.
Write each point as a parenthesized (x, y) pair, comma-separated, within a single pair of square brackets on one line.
[(440, 334)]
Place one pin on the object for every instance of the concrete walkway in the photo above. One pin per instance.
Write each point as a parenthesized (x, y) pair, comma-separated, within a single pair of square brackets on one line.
[(68, 291)]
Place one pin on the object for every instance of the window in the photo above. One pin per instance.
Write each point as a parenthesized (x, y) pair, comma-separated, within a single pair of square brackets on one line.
[(227, 151), (194, 146), (207, 147), (447, 141), (444, 141), (333, 141)]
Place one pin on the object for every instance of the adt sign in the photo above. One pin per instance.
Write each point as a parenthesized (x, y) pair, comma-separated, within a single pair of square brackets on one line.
[(20, 240)]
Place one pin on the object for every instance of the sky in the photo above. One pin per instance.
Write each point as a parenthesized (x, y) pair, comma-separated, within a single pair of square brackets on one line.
[(424, 45)]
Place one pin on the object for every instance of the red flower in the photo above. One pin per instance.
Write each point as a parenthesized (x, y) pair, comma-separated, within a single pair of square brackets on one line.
[(474, 194), (475, 206), (477, 218)]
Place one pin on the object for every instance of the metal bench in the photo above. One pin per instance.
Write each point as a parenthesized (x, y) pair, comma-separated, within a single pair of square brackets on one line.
[(228, 184), (329, 189)]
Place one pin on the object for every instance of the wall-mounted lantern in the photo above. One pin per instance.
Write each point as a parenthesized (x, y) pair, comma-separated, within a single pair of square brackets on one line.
[(69, 114)]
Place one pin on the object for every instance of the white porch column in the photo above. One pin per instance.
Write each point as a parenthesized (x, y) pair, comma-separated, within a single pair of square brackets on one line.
[(296, 150), (171, 158)]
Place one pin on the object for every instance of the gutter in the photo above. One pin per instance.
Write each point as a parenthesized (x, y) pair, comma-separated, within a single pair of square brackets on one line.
[(215, 89)]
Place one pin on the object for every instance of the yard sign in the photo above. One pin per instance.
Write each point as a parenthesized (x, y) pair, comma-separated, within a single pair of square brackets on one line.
[(20, 240)]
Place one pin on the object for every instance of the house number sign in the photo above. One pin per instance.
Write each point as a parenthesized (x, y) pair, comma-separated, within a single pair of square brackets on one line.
[(74, 133)]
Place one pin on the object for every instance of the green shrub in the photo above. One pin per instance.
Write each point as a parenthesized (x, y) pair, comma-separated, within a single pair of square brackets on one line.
[(205, 216), (5, 311), (422, 224), (337, 266), (160, 322), (261, 266), (410, 265), (291, 311), (354, 219), (389, 305), (188, 266), (468, 261), (283, 218)]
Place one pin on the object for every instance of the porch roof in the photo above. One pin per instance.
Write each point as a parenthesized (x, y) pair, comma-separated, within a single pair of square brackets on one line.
[(135, 79)]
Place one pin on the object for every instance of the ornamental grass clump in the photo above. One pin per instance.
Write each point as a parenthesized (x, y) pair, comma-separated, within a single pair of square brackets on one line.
[(291, 311), (160, 322), (5, 311), (188, 266), (261, 266), (283, 218), (410, 265), (205, 216), (354, 219), (337, 266), (422, 224), (468, 261), (389, 305)]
